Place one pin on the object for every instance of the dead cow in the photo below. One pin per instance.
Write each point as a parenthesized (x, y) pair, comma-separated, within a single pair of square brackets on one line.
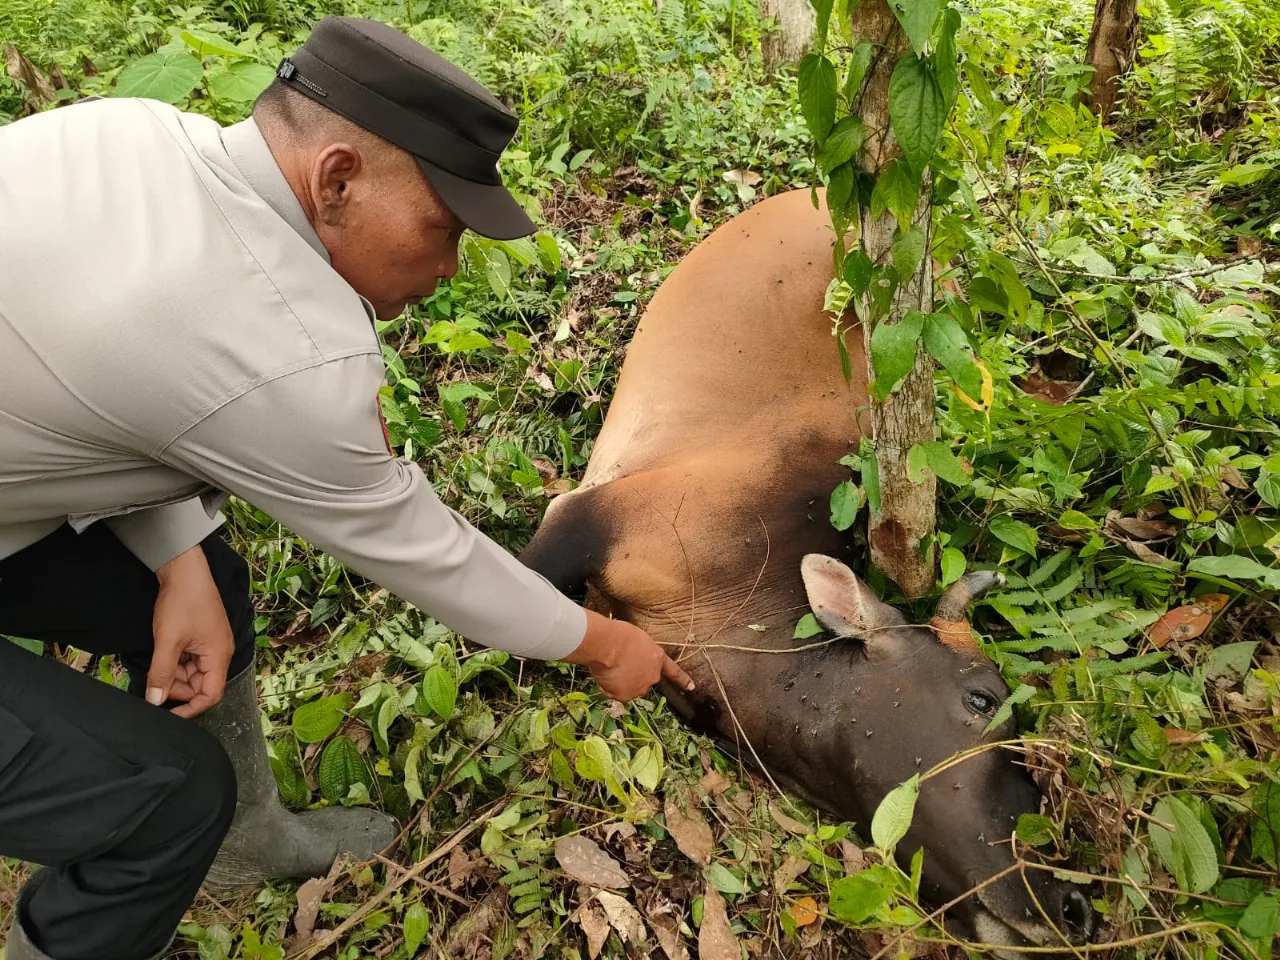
[(703, 518)]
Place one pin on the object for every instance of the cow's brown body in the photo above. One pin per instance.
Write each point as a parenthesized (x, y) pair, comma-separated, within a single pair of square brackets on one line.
[(708, 485), (697, 472)]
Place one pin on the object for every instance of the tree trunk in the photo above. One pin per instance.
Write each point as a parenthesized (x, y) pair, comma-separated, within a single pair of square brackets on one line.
[(1113, 46), (796, 22), (908, 510)]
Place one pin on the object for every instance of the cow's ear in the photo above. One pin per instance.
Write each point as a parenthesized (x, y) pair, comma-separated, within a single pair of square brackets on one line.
[(845, 605)]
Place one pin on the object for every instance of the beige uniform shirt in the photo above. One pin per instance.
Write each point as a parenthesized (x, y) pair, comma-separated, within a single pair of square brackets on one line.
[(171, 332)]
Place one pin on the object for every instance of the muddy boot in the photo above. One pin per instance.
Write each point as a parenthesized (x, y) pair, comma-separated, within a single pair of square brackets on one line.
[(18, 945), (266, 841)]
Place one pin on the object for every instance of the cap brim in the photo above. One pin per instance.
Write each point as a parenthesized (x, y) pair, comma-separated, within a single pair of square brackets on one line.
[(490, 211)]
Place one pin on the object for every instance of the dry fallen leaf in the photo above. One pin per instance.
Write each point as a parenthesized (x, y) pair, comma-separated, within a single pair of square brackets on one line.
[(310, 895), (715, 782), (1249, 246), (557, 488), (1179, 625), (370, 663), (583, 860), (311, 769), (358, 732), (1156, 508), (623, 917), (624, 835), (1059, 532), (1252, 700), (595, 924), (792, 868), (623, 831), (666, 926), (1147, 555), (28, 74), (1048, 391), (1131, 528), (852, 855), (1177, 735), (689, 828), (734, 809), (1232, 478), (790, 824), (804, 911), (475, 926), (748, 178), (715, 939), (461, 867)]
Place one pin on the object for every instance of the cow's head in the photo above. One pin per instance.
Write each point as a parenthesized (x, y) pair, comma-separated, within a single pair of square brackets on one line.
[(932, 694)]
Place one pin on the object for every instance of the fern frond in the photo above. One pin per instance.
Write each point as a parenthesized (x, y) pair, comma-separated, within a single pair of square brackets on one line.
[(1112, 668)]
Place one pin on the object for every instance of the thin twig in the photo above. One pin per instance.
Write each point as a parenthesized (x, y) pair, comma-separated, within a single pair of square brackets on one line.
[(688, 564), (1130, 882), (739, 731), (768, 548), (1128, 342), (1102, 947), (1145, 281), (433, 887), (943, 909), (1105, 346), (447, 778), (1013, 843), (334, 935), (769, 650)]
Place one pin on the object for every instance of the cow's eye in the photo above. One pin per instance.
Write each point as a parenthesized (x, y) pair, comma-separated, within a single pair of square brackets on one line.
[(980, 702)]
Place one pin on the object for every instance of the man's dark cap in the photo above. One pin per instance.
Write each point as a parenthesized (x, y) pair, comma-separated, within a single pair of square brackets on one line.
[(393, 86)]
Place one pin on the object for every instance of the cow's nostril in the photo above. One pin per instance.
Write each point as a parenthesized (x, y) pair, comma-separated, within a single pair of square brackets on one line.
[(1077, 914)]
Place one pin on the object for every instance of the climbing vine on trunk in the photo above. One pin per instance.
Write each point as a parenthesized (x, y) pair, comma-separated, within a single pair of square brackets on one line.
[(875, 95)]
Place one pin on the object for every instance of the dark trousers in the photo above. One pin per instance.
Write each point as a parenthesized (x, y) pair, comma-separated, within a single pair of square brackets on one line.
[(124, 804)]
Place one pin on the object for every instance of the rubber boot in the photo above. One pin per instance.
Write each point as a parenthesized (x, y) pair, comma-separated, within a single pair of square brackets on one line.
[(266, 841), (18, 945)]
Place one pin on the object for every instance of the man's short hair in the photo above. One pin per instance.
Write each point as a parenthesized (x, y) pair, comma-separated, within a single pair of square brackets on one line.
[(279, 103), (283, 110)]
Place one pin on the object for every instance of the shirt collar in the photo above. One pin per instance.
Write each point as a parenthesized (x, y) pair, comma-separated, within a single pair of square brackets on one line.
[(249, 152)]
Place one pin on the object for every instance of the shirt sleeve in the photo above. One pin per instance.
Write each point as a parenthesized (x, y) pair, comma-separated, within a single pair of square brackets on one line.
[(158, 534), (308, 448)]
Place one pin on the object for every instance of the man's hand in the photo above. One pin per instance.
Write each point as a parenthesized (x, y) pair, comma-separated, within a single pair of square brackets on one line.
[(193, 641), (624, 660)]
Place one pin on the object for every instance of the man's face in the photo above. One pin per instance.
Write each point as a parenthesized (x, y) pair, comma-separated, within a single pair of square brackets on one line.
[(387, 231)]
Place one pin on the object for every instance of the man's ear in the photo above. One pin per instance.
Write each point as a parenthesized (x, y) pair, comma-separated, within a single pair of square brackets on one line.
[(332, 171), (846, 606)]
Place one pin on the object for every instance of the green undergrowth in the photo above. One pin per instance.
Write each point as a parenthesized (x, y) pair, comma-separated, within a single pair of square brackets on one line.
[(1125, 270)]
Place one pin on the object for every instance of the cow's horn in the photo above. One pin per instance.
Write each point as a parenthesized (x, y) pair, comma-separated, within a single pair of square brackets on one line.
[(949, 621), (961, 594)]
